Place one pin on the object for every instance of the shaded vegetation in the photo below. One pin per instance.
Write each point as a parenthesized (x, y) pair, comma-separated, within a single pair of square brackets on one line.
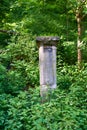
[(20, 104)]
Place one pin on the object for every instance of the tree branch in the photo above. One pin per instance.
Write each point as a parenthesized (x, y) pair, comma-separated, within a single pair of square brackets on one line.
[(9, 32)]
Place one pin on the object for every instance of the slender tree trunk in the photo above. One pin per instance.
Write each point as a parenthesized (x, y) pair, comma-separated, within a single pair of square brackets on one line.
[(79, 42)]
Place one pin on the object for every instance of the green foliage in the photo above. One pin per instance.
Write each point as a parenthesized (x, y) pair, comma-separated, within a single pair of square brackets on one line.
[(21, 107), (10, 81), (21, 63), (67, 109), (70, 52), (4, 38)]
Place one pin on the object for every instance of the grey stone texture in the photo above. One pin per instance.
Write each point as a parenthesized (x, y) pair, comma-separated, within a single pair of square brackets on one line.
[(47, 63)]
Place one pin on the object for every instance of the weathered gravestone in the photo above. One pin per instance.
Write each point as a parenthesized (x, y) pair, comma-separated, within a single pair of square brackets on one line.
[(47, 63)]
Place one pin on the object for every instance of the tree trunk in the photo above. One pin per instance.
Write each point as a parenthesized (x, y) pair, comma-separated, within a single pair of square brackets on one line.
[(79, 54), (79, 42)]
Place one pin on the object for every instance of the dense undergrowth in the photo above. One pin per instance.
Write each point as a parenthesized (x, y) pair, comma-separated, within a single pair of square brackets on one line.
[(65, 110), (21, 107)]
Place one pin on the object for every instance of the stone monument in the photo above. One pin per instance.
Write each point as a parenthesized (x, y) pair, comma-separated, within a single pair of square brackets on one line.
[(47, 63)]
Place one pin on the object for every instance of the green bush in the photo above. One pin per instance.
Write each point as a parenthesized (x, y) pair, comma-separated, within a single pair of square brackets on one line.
[(20, 63), (27, 112), (10, 81), (66, 109)]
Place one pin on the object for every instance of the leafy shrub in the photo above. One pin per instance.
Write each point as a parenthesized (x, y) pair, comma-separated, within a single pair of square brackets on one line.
[(20, 62), (10, 81), (67, 109), (70, 52), (25, 112)]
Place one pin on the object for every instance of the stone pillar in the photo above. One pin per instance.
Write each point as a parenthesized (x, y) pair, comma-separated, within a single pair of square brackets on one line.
[(47, 63)]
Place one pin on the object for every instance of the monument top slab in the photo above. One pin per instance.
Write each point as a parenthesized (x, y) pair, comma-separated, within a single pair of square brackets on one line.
[(47, 40)]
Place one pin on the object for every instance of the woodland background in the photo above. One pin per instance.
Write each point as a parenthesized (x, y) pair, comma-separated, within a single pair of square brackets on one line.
[(21, 21)]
